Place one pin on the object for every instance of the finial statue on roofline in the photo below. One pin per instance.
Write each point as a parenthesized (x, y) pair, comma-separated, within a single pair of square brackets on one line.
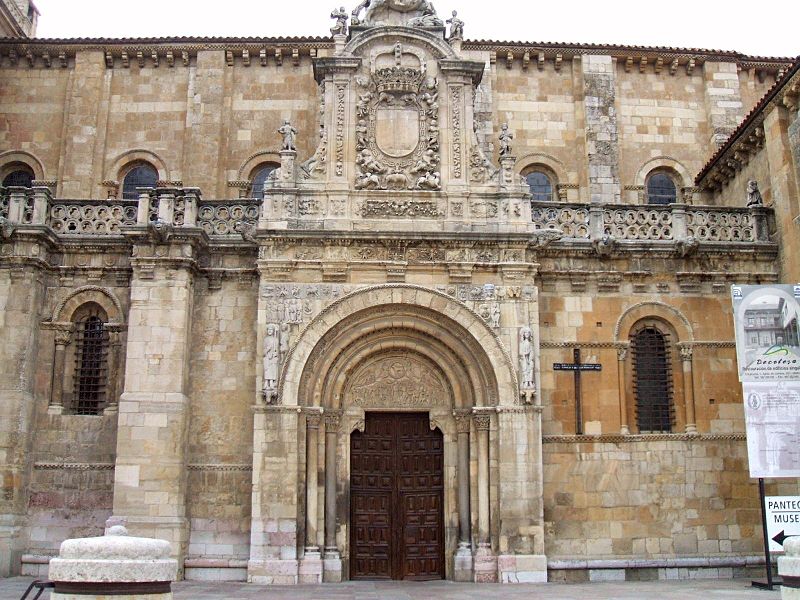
[(505, 140), (341, 21), (456, 27), (289, 134), (411, 13)]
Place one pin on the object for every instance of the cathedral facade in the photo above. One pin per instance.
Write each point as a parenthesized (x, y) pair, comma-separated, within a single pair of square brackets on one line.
[(388, 304)]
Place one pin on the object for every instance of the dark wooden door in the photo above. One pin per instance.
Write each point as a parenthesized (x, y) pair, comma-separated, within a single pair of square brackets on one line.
[(396, 499)]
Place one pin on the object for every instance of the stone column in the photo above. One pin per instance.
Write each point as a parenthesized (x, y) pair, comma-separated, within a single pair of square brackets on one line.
[(151, 472), (485, 561), (688, 388), (311, 565), (463, 559), (114, 359), (789, 569), (333, 562), (622, 354), (62, 338)]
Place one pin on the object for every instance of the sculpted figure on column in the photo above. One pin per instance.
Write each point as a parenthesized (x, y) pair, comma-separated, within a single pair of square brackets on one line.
[(505, 140), (341, 21), (525, 358), (456, 27), (271, 360)]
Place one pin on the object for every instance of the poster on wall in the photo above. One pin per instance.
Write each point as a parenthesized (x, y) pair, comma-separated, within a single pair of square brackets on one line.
[(772, 419), (767, 334)]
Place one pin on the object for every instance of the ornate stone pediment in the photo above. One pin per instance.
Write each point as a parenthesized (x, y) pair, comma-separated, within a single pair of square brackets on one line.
[(414, 13), (399, 379)]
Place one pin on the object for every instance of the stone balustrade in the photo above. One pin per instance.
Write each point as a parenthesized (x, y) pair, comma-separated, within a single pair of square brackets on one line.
[(184, 207), (674, 222)]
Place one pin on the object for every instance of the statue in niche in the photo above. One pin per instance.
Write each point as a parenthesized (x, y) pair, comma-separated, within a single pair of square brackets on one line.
[(456, 27), (526, 358), (341, 21), (289, 134), (271, 358), (505, 140), (753, 194)]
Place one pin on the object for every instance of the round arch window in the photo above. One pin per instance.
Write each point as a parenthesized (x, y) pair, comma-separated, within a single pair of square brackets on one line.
[(541, 186), (19, 176), (260, 175), (141, 175), (661, 189)]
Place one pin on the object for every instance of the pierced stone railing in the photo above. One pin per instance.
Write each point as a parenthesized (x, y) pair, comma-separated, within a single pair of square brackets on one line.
[(83, 217), (638, 223), (4, 203), (674, 222), (711, 224), (570, 219), (219, 217)]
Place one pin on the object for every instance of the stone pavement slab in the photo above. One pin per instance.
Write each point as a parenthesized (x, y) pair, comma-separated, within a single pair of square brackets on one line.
[(722, 589)]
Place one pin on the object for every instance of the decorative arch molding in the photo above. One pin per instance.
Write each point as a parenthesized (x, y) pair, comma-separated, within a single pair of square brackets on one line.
[(245, 172), (667, 163), (654, 310), (20, 156), (90, 293), (393, 316), (549, 162), (135, 156), (440, 48)]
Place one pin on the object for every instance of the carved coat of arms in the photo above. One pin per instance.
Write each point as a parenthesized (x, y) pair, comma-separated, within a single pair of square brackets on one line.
[(397, 129)]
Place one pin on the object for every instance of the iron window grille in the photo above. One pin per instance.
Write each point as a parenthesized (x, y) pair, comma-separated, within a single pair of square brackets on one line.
[(652, 380), (91, 368)]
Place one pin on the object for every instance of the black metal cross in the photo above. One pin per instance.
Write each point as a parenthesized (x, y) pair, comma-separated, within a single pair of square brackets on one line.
[(576, 367)]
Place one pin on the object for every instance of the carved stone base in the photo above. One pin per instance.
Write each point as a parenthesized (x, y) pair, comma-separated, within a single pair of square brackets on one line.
[(272, 572), (485, 565), (332, 567), (462, 564), (310, 571), (55, 409), (522, 568)]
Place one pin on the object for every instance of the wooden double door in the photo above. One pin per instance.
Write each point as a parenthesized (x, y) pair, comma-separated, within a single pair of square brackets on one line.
[(396, 499)]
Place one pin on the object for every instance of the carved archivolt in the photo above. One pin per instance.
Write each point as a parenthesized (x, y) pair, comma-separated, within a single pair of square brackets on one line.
[(655, 310), (399, 379), (90, 293)]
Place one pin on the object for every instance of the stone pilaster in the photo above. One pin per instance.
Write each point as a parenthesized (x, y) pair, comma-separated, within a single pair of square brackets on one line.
[(723, 100), (622, 355), (151, 471), (463, 570), (485, 565), (602, 142), (688, 388), (21, 298)]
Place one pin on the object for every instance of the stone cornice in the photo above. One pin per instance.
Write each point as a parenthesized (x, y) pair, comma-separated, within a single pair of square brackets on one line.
[(642, 438)]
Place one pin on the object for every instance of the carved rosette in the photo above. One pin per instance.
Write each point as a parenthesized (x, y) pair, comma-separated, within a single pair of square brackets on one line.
[(397, 129)]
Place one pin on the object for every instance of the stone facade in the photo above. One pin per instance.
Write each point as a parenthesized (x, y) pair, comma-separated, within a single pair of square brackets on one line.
[(251, 333)]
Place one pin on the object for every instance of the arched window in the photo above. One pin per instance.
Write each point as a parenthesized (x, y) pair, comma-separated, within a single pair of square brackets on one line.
[(260, 174), (652, 379), (541, 186), (19, 175), (141, 175), (661, 188), (90, 377)]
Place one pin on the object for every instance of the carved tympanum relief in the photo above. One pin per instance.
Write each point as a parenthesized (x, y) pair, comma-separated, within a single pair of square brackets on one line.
[(397, 126), (399, 379)]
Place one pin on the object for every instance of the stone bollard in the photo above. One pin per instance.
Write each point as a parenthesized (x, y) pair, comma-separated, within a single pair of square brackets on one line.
[(789, 569), (113, 565)]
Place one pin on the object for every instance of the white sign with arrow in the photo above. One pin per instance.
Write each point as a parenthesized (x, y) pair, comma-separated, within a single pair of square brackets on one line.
[(783, 520)]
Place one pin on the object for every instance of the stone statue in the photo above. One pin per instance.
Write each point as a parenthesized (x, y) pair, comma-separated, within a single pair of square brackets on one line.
[(526, 358), (495, 317), (355, 18), (6, 228), (246, 230), (289, 133), (456, 27), (428, 18), (271, 358), (753, 194), (341, 21), (505, 140), (284, 341)]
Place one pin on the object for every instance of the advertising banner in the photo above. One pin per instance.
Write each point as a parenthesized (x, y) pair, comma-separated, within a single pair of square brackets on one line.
[(767, 334)]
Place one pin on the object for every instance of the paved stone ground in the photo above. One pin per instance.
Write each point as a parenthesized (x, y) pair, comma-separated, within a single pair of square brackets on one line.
[(725, 589)]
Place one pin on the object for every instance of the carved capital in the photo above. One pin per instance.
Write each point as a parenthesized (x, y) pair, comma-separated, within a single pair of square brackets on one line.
[(481, 421), (63, 337), (622, 354), (462, 423), (332, 422), (313, 420), (686, 353)]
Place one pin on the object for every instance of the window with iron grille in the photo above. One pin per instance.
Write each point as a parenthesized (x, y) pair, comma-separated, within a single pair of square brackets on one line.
[(91, 368), (652, 380)]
